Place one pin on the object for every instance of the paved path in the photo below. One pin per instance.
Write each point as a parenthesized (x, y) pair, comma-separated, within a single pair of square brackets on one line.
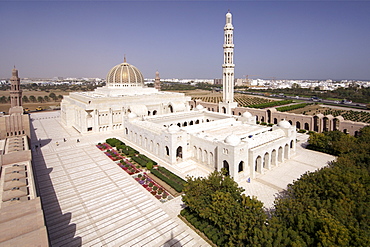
[(266, 186), (88, 200)]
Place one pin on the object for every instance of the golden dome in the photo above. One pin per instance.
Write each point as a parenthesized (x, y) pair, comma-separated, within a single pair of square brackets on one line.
[(125, 75)]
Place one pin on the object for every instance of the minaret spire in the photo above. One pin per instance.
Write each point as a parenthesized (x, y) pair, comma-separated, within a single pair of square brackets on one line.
[(124, 58), (228, 67), (15, 89), (157, 82)]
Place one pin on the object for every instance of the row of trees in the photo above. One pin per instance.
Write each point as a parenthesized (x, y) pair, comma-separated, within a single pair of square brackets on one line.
[(329, 207), (354, 93), (33, 99)]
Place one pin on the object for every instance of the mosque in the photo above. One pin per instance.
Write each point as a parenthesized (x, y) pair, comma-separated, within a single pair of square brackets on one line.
[(167, 126)]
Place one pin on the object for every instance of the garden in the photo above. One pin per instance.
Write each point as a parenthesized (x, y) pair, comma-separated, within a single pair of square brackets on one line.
[(159, 181)]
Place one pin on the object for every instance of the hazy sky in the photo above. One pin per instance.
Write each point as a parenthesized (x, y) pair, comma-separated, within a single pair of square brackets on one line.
[(183, 39)]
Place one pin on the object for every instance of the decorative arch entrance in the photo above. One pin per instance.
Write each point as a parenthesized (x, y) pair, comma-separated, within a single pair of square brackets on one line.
[(226, 167), (179, 152)]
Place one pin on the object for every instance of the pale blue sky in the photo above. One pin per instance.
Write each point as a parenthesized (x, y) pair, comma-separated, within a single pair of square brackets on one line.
[(183, 39)]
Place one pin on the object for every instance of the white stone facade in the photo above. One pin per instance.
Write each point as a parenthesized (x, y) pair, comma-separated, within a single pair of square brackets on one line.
[(162, 124)]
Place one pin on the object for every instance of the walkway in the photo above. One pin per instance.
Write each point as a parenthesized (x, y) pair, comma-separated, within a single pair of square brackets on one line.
[(266, 186), (88, 200)]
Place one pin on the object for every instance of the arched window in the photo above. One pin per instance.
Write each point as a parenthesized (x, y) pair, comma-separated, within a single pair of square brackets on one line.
[(179, 152), (167, 151), (226, 167), (241, 166)]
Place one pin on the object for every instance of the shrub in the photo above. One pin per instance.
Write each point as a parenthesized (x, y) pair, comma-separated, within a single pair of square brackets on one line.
[(177, 186), (155, 187), (149, 165), (150, 184), (302, 131)]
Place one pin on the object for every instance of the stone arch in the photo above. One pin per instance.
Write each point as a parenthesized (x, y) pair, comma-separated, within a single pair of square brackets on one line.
[(197, 121), (262, 119), (167, 151), (170, 107), (211, 160), (290, 121), (336, 124), (158, 146), (291, 144), (225, 165), (241, 166), (154, 112), (286, 151), (258, 164), (275, 120), (306, 126), (195, 152), (185, 124), (200, 154), (126, 131), (273, 157), (280, 154), (179, 152), (205, 157), (316, 123), (266, 161), (224, 110), (191, 122), (269, 116), (325, 124), (298, 124)]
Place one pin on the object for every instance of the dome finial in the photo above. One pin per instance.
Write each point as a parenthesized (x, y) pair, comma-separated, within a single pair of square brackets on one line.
[(124, 58)]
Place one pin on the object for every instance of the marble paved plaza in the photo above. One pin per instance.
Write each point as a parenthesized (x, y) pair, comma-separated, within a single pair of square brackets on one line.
[(88, 200)]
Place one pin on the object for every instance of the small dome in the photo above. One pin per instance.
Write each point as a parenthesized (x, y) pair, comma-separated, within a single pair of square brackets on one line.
[(247, 114), (232, 140), (131, 115), (284, 124), (124, 75), (199, 107), (173, 128)]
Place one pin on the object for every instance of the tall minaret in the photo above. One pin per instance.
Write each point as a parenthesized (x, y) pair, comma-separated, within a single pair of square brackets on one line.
[(15, 89), (228, 68), (157, 82)]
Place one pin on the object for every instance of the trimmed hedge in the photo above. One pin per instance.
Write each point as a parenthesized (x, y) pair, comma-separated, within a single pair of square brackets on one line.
[(114, 142), (211, 231), (178, 187), (271, 104), (292, 107)]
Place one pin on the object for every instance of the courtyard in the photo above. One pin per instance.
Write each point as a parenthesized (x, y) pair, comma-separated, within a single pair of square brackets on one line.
[(88, 200)]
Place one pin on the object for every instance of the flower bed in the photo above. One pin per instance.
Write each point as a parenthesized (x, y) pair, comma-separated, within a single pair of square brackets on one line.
[(155, 189), (103, 146)]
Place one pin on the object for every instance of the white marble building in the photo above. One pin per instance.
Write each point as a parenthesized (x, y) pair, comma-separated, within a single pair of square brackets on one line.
[(163, 124)]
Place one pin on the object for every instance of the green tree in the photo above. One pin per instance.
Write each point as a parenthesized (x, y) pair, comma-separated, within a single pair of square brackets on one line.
[(3, 99), (25, 99), (46, 98), (40, 99), (60, 97), (53, 96), (32, 98)]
